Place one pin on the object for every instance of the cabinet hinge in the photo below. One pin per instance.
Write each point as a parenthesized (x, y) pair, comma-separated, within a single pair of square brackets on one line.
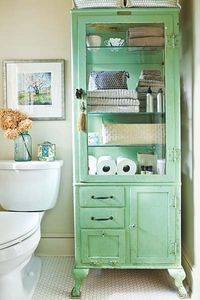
[(172, 248), (172, 40), (173, 201), (174, 155)]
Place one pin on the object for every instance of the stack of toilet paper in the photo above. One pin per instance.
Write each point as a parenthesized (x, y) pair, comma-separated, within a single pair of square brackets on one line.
[(106, 165)]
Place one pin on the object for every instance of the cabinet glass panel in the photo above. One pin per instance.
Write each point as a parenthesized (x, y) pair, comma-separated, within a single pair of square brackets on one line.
[(125, 65)]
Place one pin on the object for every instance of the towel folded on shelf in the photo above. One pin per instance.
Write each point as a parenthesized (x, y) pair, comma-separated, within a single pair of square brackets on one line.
[(110, 108), (118, 100), (151, 83), (151, 72), (150, 77), (153, 41), (144, 31), (113, 93), (112, 101)]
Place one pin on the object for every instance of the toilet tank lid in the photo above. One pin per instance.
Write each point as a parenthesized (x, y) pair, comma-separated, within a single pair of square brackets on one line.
[(15, 225), (30, 165)]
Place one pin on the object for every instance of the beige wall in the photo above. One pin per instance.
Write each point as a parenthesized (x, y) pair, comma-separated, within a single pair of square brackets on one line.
[(40, 29)]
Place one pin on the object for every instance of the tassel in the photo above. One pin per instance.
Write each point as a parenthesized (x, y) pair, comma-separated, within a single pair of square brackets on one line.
[(82, 121)]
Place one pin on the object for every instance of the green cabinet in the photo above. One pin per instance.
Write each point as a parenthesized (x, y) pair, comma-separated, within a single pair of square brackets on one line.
[(127, 201)]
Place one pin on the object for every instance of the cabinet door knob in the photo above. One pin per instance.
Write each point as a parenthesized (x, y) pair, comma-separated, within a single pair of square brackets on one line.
[(132, 226), (79, 93)]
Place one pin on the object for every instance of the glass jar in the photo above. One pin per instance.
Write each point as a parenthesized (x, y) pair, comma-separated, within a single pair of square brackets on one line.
[(23, 147)]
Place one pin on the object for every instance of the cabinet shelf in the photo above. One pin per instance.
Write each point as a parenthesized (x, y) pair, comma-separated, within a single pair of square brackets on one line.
[(161, 114), (139, 49), (124, 145)]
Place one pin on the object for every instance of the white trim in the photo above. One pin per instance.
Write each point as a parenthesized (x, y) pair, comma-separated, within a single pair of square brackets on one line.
[(56, 245)]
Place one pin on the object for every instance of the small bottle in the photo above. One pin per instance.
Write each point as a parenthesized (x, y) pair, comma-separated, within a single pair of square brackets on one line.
[(143, 170), (160, 101), (149, 170), (149, 101)]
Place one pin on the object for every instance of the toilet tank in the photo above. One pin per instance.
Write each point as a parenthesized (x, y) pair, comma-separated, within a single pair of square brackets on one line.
[(29, 186)]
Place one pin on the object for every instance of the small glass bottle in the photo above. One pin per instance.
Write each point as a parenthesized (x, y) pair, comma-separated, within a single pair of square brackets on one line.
[(143, 170), (149, 170), (23, 147), (149, 101)]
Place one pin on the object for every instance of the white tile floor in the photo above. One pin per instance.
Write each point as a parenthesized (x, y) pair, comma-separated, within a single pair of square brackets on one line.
[(56, 283)]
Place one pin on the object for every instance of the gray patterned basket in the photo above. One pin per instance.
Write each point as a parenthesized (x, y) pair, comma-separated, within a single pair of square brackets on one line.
[(98, 3), (152, 3)]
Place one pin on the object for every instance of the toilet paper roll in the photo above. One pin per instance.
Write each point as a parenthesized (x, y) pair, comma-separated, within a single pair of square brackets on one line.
[(92, 165), (126, 166), (106, 166)]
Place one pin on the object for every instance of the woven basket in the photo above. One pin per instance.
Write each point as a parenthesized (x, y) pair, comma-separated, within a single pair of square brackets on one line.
[(152, 3), (133, 134), (98, 3)]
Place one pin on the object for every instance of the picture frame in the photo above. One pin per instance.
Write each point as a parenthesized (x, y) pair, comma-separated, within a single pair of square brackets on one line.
[(35, 87)]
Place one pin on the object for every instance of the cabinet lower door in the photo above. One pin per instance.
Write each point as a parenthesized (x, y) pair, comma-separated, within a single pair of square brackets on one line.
[(152, 228), (102, 247)]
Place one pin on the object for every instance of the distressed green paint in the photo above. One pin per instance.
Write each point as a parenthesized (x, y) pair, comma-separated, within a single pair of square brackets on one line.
[(127, 221)]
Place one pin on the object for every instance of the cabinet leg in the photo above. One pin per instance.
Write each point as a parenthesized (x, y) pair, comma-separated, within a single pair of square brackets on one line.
[(179, 276), (79, 276)]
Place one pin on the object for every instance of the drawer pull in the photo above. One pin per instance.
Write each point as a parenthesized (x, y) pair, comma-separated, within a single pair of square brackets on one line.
[(101, 219), (102, 198)]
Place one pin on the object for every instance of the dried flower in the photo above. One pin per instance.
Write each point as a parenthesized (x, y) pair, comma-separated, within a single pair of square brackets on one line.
[(13, 122)]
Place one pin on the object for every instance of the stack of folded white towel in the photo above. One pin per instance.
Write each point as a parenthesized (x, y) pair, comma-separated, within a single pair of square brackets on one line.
[(116, 100)]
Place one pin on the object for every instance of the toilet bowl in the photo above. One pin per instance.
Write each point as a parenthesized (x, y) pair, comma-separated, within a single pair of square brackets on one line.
[(20, 224)]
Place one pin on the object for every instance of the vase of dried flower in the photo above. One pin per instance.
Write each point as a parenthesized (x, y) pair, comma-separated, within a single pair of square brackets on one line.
[(23, 147)]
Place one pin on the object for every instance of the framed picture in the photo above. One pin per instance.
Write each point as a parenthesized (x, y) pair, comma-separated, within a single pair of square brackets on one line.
[(35, 87)]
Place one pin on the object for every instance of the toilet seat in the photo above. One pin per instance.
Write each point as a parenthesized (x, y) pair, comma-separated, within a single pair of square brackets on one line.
[(17, 226)]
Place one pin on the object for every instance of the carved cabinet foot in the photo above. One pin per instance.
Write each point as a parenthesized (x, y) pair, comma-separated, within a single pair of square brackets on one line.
[(179, 276), (79, 276)]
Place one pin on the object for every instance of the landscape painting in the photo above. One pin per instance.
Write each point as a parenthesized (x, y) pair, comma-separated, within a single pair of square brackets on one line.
[(34, 88)]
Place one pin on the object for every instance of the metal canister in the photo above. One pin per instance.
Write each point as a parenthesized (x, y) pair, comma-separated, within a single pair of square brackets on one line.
[(46, 151), (149, 101), (160, 101)]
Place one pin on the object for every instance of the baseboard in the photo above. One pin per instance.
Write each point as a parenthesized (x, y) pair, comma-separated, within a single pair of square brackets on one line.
[(59, 245), (187, 265)]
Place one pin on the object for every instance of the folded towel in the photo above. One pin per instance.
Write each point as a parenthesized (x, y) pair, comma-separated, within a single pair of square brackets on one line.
[(151, 83), (151, 72), (150, 77), (145, 31), (112, 101), (106, 108), (146, 41), (112, 93)]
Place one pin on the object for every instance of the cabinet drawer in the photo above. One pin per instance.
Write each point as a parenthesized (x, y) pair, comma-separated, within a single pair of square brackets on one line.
[(102, 218), (100, 247), (101, 196)]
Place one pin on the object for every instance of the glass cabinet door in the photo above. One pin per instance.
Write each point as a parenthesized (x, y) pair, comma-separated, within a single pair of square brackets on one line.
[(126, 101)]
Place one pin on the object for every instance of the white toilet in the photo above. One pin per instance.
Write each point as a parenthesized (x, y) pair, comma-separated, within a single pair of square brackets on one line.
[(27, 189)]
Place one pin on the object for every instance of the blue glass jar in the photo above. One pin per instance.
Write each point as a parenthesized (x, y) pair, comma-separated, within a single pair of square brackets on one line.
[(23, 147)]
